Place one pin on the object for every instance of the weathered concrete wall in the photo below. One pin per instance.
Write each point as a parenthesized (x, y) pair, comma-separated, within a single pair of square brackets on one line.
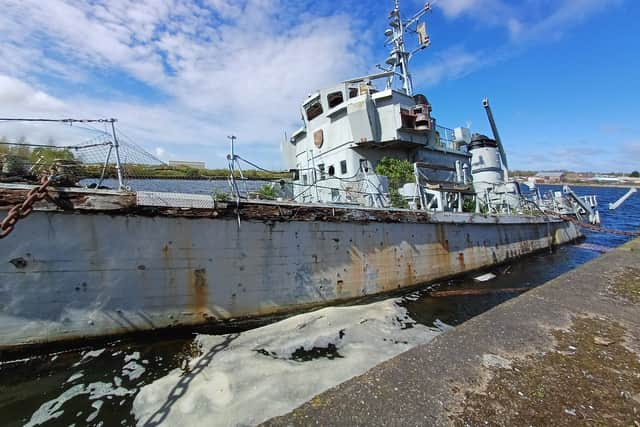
[(65, 275)]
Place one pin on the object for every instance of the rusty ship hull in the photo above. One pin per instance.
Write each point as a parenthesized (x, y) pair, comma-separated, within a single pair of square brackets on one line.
[(89, 264)]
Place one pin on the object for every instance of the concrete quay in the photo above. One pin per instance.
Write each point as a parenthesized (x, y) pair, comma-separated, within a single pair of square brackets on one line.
[(565, 353)]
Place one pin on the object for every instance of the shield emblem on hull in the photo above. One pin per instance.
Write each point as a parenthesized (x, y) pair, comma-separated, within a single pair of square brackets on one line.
[(318, 138)]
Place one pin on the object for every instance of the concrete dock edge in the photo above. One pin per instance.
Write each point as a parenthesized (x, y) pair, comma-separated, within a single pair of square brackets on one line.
[(564, 353)]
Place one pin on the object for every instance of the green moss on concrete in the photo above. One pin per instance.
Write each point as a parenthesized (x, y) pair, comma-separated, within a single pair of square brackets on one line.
[(627, 284), (590, 378)]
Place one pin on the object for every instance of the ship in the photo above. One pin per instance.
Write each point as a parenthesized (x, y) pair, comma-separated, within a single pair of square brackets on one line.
[(86, 262)]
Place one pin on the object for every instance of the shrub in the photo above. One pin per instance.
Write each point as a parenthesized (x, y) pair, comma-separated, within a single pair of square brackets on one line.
[(398, 172)]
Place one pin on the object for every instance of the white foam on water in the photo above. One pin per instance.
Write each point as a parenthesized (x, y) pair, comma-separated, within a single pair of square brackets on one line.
[(133, 356), (96, 405), (75, 376), (133, 370), (254, 377), (88, 355), (94, 353), (53, 408), (10, 362), (440, 325)]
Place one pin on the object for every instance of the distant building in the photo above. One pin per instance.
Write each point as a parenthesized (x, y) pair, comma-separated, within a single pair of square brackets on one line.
[(195, 165), (605, 179), (550, 177)]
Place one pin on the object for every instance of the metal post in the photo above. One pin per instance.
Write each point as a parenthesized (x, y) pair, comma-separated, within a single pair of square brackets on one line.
[(315, 181), (232, 159), (117, 148)]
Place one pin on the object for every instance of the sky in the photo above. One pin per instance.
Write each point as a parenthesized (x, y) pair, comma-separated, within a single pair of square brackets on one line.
[(563, 76)]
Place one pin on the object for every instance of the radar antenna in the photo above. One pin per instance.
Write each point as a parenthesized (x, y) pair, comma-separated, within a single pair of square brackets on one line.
[(399, 56)]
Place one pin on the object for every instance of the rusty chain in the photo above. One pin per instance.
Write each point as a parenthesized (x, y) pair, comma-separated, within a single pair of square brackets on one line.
[(23, 209), (599, 228)]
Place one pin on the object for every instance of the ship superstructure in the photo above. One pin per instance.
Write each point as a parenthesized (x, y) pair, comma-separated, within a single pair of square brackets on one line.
[(349, 128)]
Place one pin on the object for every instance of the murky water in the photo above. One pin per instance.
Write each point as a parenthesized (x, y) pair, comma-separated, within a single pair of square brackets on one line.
[(164, 380)]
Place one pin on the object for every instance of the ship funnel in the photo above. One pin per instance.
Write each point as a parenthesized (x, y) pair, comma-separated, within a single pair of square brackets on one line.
[(485, 163)]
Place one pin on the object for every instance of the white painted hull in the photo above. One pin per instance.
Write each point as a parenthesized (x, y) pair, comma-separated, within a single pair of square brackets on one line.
[(69, 275)]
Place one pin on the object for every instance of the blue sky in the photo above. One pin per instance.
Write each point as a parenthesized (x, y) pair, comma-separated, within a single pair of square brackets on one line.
[(562, 75)]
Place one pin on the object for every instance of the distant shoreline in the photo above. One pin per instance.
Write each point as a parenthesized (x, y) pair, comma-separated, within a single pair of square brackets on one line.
[(588, 184)]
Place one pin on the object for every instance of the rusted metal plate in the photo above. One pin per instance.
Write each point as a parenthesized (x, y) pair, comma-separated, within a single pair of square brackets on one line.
[(69, 199)]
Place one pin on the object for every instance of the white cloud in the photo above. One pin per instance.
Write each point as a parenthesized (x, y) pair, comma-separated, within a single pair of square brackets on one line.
[(531, 20), (536, 21), (15, 92), (455, 8), (485, 12), (223, 67), (562, 17), (160, 152), (582, 156), (452, 63), (515, 27)]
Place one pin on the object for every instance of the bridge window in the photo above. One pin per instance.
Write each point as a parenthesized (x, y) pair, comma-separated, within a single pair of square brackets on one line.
[(314, 110), (332, 170), (334, 99), (343, 167), (353, 92)]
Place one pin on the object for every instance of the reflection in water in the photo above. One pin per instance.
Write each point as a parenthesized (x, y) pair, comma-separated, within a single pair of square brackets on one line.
[(526, 273)]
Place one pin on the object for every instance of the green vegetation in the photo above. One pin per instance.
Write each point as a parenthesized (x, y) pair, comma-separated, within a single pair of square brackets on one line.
[(635, 174), (178, 172), (516, 172), (469, 205), (268, 192), (220, 196), (43, 154), (399, 172), (17, 159), (47, 156)]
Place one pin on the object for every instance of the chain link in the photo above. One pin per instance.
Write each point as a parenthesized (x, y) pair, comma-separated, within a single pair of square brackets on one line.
[(21, 210), (598, 228)]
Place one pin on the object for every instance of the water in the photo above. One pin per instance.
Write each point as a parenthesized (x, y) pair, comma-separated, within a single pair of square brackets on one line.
[(183, 185), (533, 270), (188, 377)]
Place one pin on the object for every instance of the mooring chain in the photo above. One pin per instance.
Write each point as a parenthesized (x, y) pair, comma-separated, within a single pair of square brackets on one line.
[(598, 228), (23, 209)]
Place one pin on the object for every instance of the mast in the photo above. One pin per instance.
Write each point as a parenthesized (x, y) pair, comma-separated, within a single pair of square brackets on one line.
[(399, 56)]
